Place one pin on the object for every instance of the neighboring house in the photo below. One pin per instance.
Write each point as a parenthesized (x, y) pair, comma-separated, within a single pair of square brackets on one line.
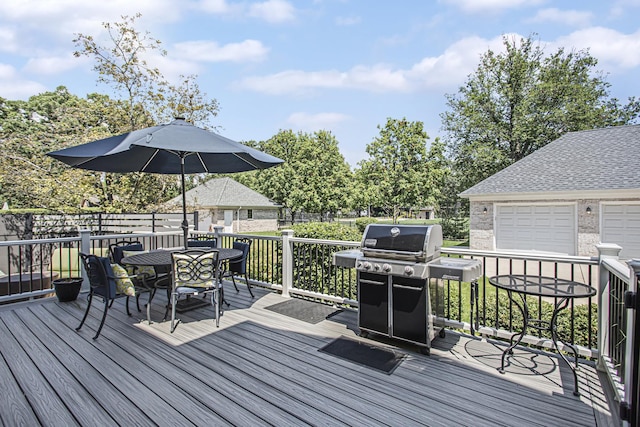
[(579, 190), (426, 213), (226, 202)]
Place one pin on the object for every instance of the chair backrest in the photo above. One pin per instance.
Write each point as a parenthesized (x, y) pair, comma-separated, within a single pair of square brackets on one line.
[(100, 274), (240, 265), (202, 243), (195, 268), (117, 249)]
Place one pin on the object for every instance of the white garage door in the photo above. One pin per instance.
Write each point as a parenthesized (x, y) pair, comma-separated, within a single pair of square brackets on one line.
[(547, 228), (621, 225)]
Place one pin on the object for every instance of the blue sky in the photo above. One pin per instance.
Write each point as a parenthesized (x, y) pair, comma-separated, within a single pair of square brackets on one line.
[(340, 65)]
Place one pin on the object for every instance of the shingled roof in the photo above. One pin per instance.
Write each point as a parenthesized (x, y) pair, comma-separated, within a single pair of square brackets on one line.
[(224, 193), (592, 160)]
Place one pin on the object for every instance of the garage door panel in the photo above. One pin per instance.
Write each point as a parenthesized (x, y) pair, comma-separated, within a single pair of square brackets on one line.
[(621, 225), (613, 209), (548, 228)]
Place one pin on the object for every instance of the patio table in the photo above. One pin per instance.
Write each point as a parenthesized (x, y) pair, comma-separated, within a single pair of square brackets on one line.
[(161, 258), (563, 291), (161, 261)]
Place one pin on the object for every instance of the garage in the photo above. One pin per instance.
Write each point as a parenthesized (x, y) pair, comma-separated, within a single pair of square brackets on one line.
[(620, 224), (536, 227)]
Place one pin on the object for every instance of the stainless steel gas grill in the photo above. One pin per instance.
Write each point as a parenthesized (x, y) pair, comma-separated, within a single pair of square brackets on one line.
[(398, 295)]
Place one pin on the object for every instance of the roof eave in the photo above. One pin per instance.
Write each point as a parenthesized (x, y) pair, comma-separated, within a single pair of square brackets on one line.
[(557, 195)]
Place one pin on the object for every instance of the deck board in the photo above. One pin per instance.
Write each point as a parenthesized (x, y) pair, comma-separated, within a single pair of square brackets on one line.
[(263, 368)]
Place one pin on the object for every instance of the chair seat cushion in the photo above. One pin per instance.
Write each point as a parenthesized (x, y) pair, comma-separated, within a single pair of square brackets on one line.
[(124, 285), (146, 270), (192, 290)]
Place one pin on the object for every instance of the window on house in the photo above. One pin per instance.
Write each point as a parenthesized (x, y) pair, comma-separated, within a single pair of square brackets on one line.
[(249, 213)]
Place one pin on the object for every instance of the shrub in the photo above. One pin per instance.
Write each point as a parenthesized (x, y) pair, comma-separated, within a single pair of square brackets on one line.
[(327, 230), (361, 223)]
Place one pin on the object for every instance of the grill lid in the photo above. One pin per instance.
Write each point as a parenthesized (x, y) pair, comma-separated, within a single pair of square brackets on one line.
[(416, 242)]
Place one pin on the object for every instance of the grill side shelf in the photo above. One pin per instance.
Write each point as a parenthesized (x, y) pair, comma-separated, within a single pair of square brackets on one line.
[(463, 270)]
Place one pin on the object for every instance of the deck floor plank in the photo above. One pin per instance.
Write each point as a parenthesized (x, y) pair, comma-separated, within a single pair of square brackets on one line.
[(66, 386), (48, 409), (262, 368)]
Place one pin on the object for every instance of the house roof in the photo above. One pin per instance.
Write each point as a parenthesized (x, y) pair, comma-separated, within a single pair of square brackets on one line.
[(224, 193), (586, 161)]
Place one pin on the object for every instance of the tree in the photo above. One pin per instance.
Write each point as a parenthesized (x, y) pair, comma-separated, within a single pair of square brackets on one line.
[(314, 178), (149, 98), (397, 166), (519, 101), (53, 120), (123, 66)]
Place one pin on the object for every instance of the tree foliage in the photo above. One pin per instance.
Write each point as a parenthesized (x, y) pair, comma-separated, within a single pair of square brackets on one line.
[(397, 168), (314, 177), (150, 99), (520, 100), (54, 120)]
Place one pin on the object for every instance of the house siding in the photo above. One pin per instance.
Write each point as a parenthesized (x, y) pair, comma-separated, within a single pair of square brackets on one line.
[(481, 233), (263, 219)]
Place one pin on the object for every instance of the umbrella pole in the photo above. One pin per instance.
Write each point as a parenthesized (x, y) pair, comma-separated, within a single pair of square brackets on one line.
[(185, 223)]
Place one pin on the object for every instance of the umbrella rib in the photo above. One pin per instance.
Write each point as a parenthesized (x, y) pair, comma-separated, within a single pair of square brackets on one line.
[(149, 161), (247, 161), (204, 166)]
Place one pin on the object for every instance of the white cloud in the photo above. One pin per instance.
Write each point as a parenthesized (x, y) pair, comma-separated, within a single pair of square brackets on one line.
[(482, 6), (273, 11), (443, 72), (379, 78), (51, 65), (9, 40), (81, 15), (313, 122), (12, 86), (573, 18), (613, 49), (210, 51)]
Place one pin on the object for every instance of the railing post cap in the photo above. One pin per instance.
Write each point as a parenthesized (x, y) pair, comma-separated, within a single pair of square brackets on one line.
[(287, 232), (608, 249)]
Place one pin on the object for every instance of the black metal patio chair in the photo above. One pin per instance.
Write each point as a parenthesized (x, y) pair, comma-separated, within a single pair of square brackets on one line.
[(238, 267), (196, 272), (145, 278), (106, 285)]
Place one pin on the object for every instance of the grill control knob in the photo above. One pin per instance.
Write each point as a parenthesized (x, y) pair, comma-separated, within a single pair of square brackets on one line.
[(408, 270), (376, 267), (366, 265), (386, 267)]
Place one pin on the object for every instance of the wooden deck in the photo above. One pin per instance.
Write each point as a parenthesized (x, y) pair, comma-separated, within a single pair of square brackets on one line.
[(263, 368)]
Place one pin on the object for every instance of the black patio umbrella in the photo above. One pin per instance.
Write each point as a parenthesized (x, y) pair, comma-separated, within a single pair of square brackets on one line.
[(174, 148)]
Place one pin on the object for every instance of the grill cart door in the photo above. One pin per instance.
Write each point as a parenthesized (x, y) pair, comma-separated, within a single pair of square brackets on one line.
[(373, 300), (410, 309)]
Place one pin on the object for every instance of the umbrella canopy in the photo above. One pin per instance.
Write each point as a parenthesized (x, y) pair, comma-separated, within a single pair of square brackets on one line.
[(174, 148)]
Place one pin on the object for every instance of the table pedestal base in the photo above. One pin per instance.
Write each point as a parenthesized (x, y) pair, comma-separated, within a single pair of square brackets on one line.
[(542, 325)]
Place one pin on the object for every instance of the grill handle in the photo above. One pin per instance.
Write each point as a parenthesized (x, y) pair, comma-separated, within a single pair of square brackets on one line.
[(409, 288), (373, 282)]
